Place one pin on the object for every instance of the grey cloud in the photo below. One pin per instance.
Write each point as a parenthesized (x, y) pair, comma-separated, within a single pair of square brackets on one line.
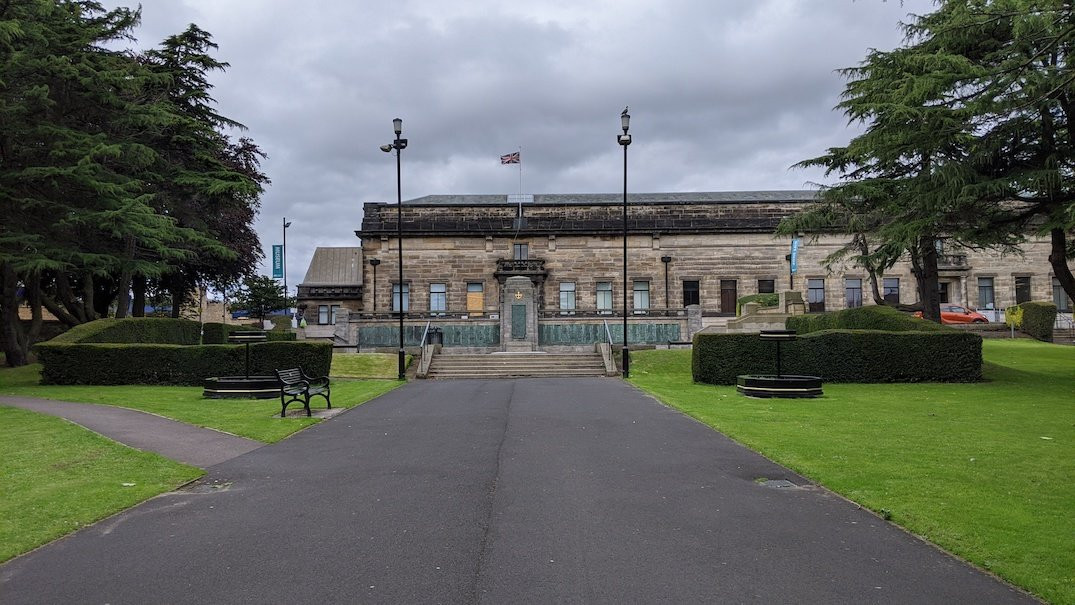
[(724, 95)]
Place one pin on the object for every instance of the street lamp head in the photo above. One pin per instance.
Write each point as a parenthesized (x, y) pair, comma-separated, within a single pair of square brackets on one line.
[(401, 143), (625, 120), (386, 148), (666, 259), (375, 261), (397, 125), (286, 224)]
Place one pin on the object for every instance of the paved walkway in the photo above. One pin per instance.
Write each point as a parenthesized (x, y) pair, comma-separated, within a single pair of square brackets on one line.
[(509, 491), (176, 440)]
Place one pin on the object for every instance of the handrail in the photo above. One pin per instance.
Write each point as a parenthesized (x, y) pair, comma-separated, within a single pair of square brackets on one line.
[(425, 334), (608, 333)]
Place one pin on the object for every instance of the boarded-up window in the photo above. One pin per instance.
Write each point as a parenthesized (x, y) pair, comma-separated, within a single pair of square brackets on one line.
[(475, 298)]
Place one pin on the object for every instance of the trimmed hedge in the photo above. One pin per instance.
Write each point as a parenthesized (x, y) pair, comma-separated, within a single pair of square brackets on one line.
[(144, 330), (217, 333), (1033, 318), (109, 363), (872, 317), (765, 300), (843, 356)]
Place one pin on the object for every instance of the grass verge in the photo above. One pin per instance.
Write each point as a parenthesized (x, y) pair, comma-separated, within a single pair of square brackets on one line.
[(366, 365), (984, 470), (57, 477), (254, 418)]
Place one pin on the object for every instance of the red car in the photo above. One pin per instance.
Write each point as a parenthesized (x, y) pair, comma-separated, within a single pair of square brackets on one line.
[(955, 314)]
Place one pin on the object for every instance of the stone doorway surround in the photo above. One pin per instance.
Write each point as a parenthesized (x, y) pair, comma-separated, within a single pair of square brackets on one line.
[(518, 315)]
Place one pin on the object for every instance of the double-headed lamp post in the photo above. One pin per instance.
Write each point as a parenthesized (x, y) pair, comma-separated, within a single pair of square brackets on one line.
[(399, 145), (624, 140)]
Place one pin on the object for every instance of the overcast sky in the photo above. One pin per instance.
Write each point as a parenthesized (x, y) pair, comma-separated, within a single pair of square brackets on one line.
[(725, 95)]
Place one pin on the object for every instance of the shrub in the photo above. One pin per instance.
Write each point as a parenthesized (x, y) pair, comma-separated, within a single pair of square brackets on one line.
[(109, 363), (765, 300), (155, 330), (843, 356), (872, 317), (1033, 318)]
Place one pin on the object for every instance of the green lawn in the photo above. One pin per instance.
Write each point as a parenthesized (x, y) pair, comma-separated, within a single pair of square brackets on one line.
[(985, 470), (256, 419), (366, 365), (56, 477)]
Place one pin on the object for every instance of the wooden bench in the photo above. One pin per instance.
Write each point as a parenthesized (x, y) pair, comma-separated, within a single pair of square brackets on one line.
[(295, 385)]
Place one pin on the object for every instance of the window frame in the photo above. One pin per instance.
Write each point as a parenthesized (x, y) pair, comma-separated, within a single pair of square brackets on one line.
[(396, 295), (638, 305), (597, 297), (815, 306), (697, 292), (568, 295), (889, 293), (441, 296), (992, 289), (852, 294)]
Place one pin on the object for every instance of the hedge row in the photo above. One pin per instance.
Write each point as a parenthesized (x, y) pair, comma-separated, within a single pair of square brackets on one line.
[(1034, 318), (75, 363), (156, 330), (843, 356), (215, 333), (872, 317)]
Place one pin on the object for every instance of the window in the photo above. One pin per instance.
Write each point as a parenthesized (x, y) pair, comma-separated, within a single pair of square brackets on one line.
[(815, 295), (521, 251), (604, 297), (1060, 298), (691, 293), (332, 311), (942, 292), (891, 289), (1022, 289), (766, 286), (475, 298), (853, 292), (438, 298), (986, 298), (322, 314), (406, 297), (641, 290), (567, 297)]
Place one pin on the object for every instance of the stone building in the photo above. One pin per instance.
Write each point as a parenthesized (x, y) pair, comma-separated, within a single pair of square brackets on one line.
[(332, 288), (690, 257)]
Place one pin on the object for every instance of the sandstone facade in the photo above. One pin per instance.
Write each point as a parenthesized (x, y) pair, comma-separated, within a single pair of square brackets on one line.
[(720, 242)]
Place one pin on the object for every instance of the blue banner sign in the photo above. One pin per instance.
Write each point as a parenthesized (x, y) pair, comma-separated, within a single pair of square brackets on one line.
[(794, 255), (277, 261)]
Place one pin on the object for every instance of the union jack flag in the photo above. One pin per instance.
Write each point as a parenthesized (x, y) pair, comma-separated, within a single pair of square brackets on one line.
[(511, 158)]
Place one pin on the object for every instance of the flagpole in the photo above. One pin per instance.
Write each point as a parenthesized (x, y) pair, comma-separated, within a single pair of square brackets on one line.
[(520, 174)]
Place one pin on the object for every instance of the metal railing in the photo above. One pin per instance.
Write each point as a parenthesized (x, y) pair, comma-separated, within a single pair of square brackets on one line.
[(592, 313), (1064, 323), (425, 334), (608, 333)]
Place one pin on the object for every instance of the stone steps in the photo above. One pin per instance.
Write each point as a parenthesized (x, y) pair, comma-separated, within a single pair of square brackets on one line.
[(516, 365)]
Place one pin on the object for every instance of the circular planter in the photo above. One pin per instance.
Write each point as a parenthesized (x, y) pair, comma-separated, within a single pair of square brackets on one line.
[(784, 387), (241, 387)]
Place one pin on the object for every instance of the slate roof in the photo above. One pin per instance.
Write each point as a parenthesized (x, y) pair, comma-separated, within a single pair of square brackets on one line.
[(588, 199), (335, 267)]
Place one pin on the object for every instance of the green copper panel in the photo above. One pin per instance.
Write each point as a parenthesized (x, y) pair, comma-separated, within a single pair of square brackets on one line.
[(518, 322)]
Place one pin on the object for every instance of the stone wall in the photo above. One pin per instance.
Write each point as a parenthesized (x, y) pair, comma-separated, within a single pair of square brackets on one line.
[(709, 259)]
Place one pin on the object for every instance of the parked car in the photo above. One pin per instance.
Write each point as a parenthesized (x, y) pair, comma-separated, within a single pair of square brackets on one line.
[(955, 314)]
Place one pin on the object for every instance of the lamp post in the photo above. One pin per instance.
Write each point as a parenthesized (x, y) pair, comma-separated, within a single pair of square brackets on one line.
[(667, 299), (373, 263), (286, 303), (624, 140), (399, 145)]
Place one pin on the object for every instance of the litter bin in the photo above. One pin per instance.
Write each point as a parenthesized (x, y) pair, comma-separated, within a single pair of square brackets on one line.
[(436, 336)]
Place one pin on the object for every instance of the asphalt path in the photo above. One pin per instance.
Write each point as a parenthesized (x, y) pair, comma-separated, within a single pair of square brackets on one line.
[(498, 491), (180, 441)]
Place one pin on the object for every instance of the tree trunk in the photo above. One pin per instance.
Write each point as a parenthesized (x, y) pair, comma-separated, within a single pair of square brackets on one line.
[(924, 266), (33, 298), (10, 325), (138, 284), (88, 297), (75, 310), (177, 302), (1058, 258)]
